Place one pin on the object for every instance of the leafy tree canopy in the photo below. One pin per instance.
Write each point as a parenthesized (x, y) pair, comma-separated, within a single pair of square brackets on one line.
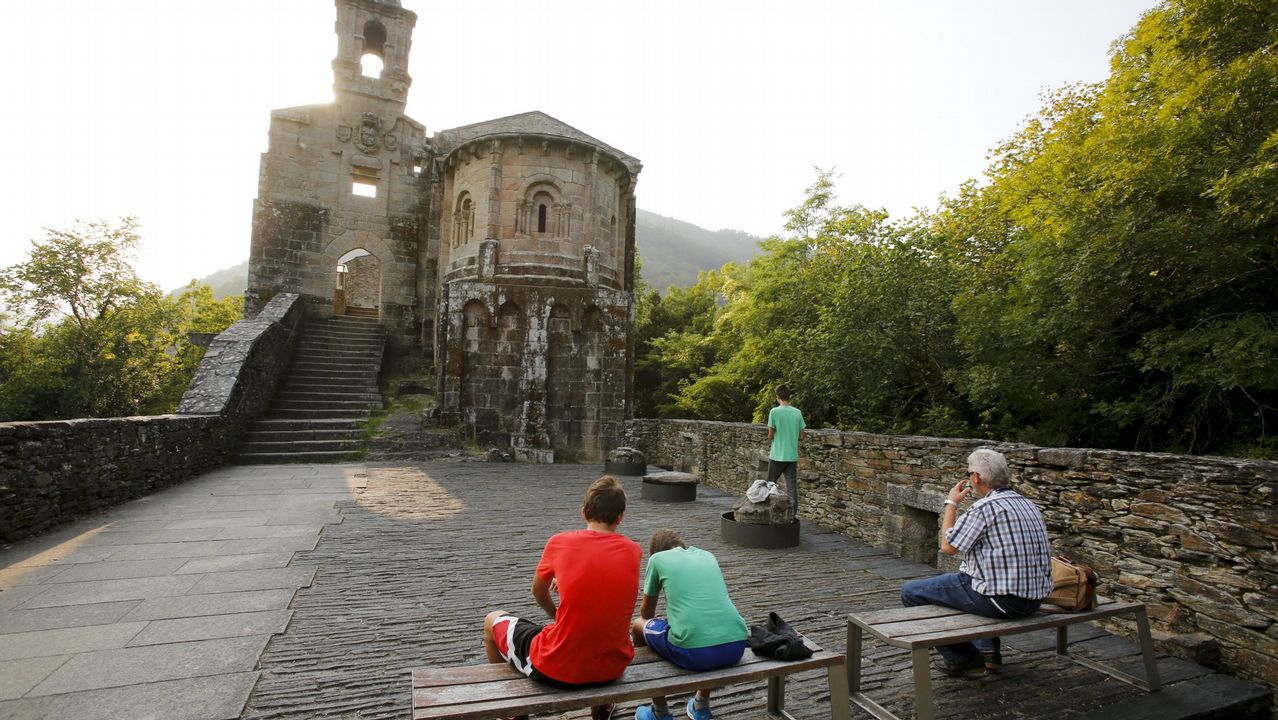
[(91, 339), (1108, 283)]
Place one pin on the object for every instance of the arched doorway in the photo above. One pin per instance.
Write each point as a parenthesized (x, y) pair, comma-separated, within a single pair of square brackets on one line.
[(358, 287)]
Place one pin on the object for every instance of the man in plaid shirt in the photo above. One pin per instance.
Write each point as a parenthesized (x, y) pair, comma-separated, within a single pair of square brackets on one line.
[(1007, 559)]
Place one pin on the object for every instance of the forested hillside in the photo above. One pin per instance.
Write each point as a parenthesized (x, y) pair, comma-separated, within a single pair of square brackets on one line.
[(1108, 283), (671, 251)]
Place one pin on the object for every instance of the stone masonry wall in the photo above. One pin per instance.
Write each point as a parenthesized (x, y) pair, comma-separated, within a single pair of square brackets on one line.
[(56, 471), (1194, 538)]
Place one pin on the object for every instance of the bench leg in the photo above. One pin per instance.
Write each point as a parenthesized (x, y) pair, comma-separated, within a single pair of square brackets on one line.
[(1150, 682), (840, 704), (776, 697), (854, 657), (1147, 650), (924, 708)]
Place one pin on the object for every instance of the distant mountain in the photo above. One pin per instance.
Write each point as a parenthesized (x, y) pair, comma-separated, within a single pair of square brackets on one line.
[(671, 251), (225, 283)]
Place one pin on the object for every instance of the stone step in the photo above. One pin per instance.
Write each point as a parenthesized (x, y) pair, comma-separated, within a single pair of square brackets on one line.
[(324, 403), (298, 398), (300, 445), (267, 436), (318, 384), (364, 366), (311, 345), (325, 397), (319, 413), (306, 425), (360, 312), (298, 457)]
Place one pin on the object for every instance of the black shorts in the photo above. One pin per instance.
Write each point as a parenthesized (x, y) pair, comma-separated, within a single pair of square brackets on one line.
[(513, 637)]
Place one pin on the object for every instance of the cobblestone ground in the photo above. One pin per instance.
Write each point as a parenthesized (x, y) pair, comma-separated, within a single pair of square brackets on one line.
[(424, 551)]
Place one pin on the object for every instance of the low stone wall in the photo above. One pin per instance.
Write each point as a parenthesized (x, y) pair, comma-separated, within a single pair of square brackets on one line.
[(56, 471), (1194, 538)]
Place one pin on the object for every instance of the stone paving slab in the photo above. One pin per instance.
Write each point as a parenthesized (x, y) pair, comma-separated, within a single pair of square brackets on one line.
[(140, 665), (240, 580), (218, 697), (61, 641), (209, 627), (160, 550), (17, 677), (225, 563), (118, 570), (97, 591), (211, 604), (66, 616)]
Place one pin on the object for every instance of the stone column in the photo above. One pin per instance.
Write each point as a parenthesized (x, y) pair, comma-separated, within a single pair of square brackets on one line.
[(494, 189)]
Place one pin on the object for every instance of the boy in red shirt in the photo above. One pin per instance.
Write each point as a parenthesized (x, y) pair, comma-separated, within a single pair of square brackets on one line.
[(596, 573)]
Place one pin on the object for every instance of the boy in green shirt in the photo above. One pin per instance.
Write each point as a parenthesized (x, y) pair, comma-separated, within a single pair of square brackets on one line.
[(704, 630), (785, 422)]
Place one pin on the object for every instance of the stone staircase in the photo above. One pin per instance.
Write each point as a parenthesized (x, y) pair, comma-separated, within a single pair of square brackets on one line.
[(325, 397)]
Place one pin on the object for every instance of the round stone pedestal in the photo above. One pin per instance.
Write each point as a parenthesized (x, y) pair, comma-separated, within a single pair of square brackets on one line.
[(670, 487), (624, 468), (749, 535)]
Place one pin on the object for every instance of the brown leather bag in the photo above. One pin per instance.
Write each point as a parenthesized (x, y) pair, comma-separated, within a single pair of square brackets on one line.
[(1073, 585)]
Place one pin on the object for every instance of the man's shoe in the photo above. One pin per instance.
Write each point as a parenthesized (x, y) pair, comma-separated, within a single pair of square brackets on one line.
[(694, 713), (993, 660), (645, 712), (957, 669), (602, 712)]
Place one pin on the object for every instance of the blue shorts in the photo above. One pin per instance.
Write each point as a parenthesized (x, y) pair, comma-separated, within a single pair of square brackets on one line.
[(656, 632)]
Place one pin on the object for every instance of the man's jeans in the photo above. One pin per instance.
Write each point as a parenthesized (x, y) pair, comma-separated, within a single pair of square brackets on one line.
[(955, 590)]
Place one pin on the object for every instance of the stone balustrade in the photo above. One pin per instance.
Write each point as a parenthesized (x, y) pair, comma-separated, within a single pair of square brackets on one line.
[(1194, 538)]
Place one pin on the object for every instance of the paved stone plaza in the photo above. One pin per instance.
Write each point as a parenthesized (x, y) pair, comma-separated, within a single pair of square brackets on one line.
[(310, 591)]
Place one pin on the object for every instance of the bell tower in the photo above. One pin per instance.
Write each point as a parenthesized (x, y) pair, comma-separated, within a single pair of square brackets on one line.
[(372, 33)]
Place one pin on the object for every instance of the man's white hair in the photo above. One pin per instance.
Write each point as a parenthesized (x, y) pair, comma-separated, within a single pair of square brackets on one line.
[(992, 467)]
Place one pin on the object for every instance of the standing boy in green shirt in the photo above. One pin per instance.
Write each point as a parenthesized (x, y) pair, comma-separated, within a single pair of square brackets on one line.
[(784, 424)]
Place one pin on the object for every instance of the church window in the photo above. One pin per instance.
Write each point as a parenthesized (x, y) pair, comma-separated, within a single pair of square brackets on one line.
[(364, 188), (372, 59), (541, 218)]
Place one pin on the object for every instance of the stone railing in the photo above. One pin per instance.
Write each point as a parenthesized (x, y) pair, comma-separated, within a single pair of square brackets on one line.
[(1194, 538), (55, 471)]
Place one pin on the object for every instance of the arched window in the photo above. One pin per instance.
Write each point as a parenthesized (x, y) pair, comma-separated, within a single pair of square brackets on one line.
[(541, 218), (373, 58), (463, 219)]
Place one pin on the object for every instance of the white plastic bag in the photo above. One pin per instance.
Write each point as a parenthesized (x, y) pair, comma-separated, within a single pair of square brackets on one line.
[(760, 490)]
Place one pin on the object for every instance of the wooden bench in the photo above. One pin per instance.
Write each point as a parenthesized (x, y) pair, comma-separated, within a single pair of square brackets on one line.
[(926, 626), (482, 692)]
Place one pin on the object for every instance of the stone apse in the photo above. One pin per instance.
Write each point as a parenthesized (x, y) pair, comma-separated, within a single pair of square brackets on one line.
[(501, 251)]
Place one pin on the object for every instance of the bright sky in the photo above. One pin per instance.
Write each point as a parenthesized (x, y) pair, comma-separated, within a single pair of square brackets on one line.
[(160, 108)]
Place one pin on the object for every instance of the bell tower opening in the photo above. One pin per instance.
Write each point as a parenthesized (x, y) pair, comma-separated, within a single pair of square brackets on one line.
[(372, 60)]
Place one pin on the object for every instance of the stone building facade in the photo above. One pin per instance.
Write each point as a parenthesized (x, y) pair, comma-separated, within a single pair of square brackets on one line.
[(503, 251)]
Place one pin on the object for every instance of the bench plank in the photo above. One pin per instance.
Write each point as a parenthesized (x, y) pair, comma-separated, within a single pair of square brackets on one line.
[(479, 692)]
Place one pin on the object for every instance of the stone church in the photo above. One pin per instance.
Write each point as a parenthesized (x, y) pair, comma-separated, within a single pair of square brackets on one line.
[(503, 251)]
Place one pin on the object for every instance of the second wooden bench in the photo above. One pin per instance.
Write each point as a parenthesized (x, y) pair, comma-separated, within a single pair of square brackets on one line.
[(926, 626)]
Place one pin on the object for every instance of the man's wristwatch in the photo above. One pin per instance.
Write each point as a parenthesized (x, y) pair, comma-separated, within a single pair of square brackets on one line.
[(950, 502)]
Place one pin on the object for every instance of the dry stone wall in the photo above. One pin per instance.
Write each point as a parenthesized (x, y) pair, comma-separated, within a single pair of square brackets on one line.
[(1194, 538), (56, 471)]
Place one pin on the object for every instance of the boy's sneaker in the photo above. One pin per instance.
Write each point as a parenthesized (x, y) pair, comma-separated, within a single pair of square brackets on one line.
[(993, 660), (602, 712), (646, 712), (694, 713)]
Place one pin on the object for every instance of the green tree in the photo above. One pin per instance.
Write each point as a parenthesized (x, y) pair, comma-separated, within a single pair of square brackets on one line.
[(92, 339), (1124, 255)]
